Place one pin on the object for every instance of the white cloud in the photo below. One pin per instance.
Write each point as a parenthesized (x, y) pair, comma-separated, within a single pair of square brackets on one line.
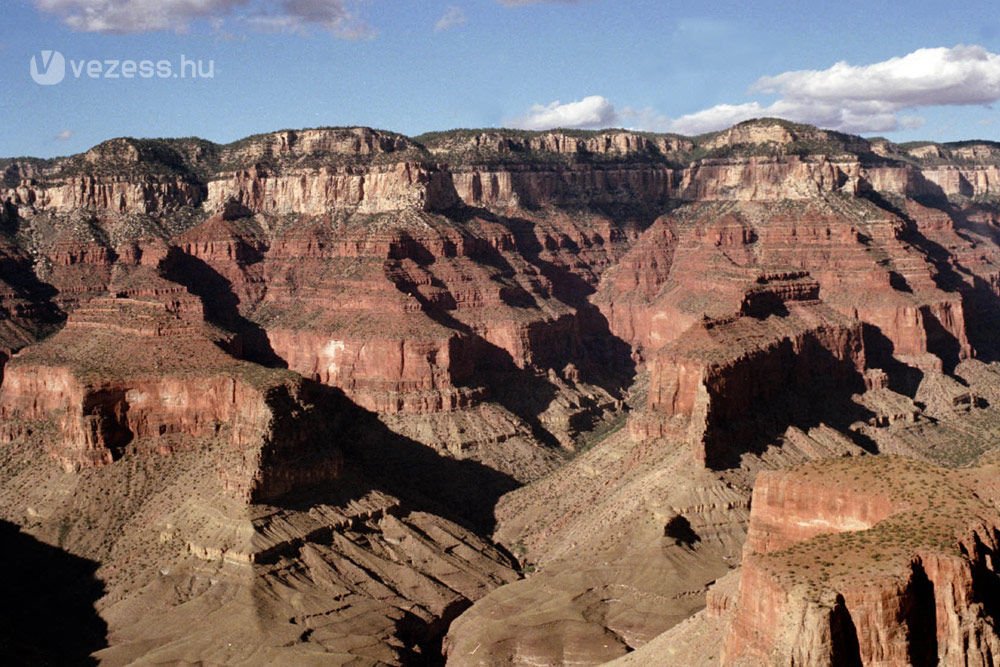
[(331, 15), (452, 18), (299, 16), (926, 77), (714, 118), (135, 16), (857, 118), (880, 97), (866, 98), (593, 111), (65, 135)]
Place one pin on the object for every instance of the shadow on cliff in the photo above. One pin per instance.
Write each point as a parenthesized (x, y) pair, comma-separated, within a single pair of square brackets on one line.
[(47, 616), (494, 368), (985, 582), (818, 395), (10, 221), (16, 272), (903, 378), (845, 649), (921, 619), (221, 305), (602, 358), (583, 339), (607, 359), (463, 491), (981, 304)]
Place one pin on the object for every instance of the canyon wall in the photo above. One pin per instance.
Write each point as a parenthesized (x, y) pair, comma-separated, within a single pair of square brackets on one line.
[(145, 375), (316, 171), (117, 194), (737, 379), (367, 189), (413, 273), (366, 340), (871, 561)]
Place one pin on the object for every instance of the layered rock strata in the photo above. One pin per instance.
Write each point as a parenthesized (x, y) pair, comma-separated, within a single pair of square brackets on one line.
[(487, 293), (868, 561), (131, 372)]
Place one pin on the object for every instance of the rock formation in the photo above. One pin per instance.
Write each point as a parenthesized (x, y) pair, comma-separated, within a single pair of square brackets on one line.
[(782, 358), (140, 370), (507, 394), (868, 561)]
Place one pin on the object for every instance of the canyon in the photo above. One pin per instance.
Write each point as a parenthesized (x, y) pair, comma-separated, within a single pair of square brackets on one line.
[(488, 397)]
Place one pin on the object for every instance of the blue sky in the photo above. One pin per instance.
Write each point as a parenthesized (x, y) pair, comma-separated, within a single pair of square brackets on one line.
[(414, 66)]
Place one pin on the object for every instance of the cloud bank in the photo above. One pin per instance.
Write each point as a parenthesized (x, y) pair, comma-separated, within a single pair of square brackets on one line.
[(136, 16), (850, 98)]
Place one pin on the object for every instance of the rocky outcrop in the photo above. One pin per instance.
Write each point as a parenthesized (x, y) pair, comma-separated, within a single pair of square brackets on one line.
[(749, 179), (788, 509), (149, 195), (290, 146), (367, 189), (979, 181), (516, 186), (724, 380), (146, 375), (482, 146), (95, 423), (963, 181), (764, 179), (781, 136), (867, 561), (385, 375)]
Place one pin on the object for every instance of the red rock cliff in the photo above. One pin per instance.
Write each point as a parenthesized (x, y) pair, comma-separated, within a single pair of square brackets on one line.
[(721, 379), (145, 375), (867, 561)]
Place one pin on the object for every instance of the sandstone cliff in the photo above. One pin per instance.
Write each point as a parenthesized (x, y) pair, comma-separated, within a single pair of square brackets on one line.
[(142, 370), (738, 379), (316, 360), (867, 561)]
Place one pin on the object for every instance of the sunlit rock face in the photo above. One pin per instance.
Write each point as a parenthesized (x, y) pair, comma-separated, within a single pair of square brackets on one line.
[(514, 396)]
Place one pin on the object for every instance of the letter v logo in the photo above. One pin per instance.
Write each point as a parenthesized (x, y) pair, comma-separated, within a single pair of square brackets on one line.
[(52, 70)]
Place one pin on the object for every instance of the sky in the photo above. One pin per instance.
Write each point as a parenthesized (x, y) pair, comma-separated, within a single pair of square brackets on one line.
[(78, 72)]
